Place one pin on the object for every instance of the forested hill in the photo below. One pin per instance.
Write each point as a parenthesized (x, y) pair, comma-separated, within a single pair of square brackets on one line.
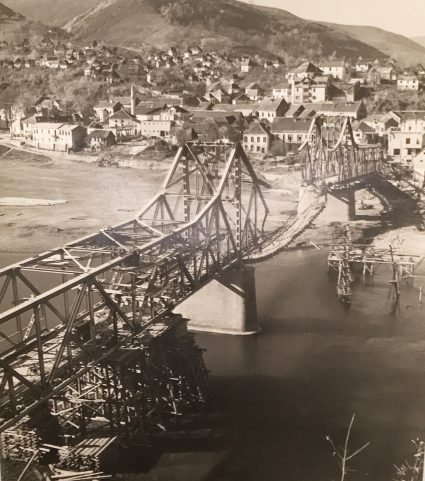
[(223, 24), (218, 23)]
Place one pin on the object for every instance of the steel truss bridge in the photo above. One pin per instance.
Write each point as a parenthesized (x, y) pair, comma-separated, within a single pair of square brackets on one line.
[(87, 330), (331, 154)]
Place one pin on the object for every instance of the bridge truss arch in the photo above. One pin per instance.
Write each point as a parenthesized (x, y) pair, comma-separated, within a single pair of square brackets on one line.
[(80, 325), (331, 154)]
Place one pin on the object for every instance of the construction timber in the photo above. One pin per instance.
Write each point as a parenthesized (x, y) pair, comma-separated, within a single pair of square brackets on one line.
[(330, 153), (90, 348), (343, 257)]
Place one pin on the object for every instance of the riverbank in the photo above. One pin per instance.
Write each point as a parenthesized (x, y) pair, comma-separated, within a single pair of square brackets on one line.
[(91, 198)]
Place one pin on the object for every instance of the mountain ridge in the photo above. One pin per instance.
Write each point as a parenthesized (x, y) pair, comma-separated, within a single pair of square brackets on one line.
[(220, 23)]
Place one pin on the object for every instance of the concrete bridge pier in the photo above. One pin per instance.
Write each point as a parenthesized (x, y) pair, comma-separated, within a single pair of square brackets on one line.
[(226, 305), (340, 207)]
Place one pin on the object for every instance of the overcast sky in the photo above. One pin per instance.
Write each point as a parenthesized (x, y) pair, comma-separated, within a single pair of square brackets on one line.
[(406, 17)]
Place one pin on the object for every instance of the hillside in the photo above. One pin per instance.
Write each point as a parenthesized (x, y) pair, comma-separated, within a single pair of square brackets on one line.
[(404, 50), (16, 27), (223, 23), (419, 40), (51, 12)]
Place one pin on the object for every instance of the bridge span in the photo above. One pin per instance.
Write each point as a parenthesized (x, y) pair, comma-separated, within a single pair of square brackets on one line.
[(331, 154), (88, 333)]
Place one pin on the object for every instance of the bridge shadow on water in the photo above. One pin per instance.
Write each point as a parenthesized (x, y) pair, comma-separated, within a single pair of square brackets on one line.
[(314, 364)]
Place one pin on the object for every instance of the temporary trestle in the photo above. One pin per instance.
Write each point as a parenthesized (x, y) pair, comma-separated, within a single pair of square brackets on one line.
[(344, 256), (331, 154), (86, 330)]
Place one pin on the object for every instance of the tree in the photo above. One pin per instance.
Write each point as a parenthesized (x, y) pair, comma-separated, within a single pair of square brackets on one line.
[(342, 453), (278, 148), (412, 471), (181, 135), (211, 131)]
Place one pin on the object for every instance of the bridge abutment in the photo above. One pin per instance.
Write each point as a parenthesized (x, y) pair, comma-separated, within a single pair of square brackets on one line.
[(226, 305)]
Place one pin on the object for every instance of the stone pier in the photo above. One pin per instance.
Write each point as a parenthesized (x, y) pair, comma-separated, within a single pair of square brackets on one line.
[(226, 305)]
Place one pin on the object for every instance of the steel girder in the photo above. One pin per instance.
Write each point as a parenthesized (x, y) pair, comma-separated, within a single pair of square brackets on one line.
[(65, 312), (331, 154)]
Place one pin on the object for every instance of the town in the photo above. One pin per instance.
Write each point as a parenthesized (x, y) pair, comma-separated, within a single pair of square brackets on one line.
[(166, 98), (212, 246)]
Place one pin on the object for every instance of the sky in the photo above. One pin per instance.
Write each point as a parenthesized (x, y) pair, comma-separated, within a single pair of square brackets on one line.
[(404, 17)]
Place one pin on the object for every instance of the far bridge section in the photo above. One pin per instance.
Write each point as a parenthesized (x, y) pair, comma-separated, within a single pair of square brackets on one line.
[(90, 346), (331, 155)]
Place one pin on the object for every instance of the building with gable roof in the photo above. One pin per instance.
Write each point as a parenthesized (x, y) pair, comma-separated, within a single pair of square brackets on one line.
[(256, 139)]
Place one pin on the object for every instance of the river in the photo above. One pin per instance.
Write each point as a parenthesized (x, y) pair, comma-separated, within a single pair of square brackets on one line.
[(314, 364), (280, 392)]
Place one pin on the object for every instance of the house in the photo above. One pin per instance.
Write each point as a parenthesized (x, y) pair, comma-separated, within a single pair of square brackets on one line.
[(59, 137), (336, 68), (420, 71), (407, 140), (295, 111), (354, 110), (278, 62), (256, 139), (124, 125), (100, 139), (364, 134), (5, 118), (270, 108), (294, 132), (47, 106), (156, 128), (305, 70), (382, 123), (245, 109), (346, 92), (51, 62), (246, 65), (253, 91), (408, 82), (29, 63), (283, 91), (300, 90), (159, 121), (104, 109), (387, 73), (362, 65)]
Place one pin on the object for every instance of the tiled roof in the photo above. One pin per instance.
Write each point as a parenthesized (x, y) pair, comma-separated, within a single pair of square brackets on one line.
[(287, 124), (100, 134), (270, 105), (283, 85), (121, 115), (255, 128)]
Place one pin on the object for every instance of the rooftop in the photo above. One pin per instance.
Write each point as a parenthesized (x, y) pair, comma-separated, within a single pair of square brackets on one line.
[(288, 124)]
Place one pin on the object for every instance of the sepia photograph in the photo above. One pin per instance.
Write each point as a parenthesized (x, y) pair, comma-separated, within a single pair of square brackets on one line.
[(212, 240)]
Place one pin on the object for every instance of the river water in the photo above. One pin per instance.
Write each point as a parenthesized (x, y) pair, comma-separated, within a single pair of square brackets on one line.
[(314, 364)]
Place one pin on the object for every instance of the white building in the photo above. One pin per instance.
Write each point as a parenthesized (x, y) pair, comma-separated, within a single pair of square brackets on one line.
[(335, 68), (282, 91), (408, 82), (256, 139), (59, 137), (407, 141)]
